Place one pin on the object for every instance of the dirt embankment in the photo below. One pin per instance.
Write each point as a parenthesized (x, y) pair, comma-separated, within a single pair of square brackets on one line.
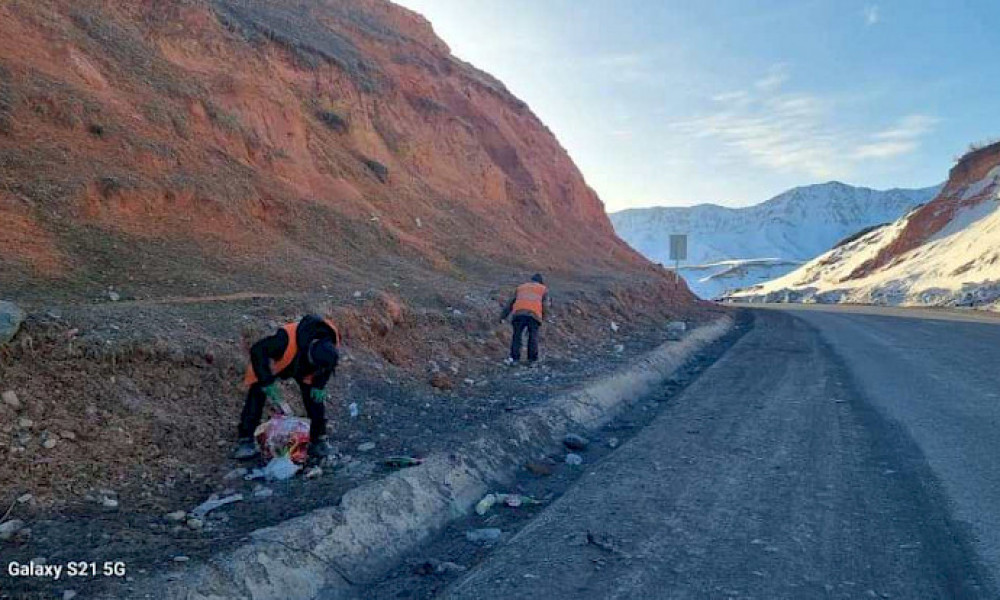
[(215, 146)]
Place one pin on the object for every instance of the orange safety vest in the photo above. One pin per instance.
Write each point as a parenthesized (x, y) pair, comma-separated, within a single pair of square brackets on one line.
[(291, 350), (529, 299)]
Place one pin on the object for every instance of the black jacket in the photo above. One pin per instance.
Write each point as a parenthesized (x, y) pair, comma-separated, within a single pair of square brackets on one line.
[(311, 328)]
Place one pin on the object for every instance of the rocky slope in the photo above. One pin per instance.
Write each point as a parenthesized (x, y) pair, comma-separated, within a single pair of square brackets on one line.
[(731, 248), (166, 147), (941, 254)]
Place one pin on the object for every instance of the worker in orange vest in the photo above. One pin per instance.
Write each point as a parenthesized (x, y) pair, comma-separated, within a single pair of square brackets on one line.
[(528, 306), (306, 351)]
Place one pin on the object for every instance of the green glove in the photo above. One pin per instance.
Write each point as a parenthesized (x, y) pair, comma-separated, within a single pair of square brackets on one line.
[(273, 394), (317, 395)]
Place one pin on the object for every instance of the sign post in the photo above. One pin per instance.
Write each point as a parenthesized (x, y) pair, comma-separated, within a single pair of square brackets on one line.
[(678, 250)]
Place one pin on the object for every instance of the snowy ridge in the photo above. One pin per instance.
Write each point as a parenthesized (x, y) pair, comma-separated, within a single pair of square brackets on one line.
[(731, 248), (958, 265)]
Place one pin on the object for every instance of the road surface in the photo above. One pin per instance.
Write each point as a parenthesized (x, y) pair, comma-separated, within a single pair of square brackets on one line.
[(829, 454)]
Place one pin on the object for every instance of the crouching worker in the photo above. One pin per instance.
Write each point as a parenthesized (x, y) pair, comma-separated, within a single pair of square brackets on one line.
[(306, 352), (528, 306)]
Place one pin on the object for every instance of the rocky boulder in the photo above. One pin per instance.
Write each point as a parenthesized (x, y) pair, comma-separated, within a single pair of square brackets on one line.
[(11, 317)]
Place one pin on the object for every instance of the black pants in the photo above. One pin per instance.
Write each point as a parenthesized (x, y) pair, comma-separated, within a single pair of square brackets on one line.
[(253, 411), (520, 323)]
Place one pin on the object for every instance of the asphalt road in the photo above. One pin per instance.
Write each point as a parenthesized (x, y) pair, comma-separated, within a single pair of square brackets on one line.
[(829, 454)]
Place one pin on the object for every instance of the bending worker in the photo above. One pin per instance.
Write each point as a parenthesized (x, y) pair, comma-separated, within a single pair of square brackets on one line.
[(528, 306), (306, 352)]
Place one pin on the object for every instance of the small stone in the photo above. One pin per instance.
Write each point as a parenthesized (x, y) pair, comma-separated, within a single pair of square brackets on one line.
[(49, 443), (114, 296), (574, 459), (25, 423), (11, 400), (538, 468), (67, 435), (575, 442), (613, 443), (450, 567), (181, 559), (366, 446), (487, 535), (9, 528), (195, 523), (441, 381), (235, 474), (175, 517), (110, 503), (24, 498)]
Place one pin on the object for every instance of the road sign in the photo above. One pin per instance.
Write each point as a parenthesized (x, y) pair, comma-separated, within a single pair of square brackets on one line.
[(678, 247)]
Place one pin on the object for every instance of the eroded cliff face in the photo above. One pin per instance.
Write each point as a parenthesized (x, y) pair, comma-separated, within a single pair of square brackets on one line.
[(959, 194), (224, 144)]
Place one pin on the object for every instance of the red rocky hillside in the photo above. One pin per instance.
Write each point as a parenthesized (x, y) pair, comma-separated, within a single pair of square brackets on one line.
[(213, 146)]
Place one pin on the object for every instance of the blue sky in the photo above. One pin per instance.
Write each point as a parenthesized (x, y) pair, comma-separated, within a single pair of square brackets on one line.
[(677, 102)]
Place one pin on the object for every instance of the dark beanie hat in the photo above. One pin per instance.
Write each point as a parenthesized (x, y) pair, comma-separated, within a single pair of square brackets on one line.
[(323, 354), (537, 278)]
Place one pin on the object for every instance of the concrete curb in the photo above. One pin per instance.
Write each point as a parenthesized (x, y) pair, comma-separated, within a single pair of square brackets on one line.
[(328, 552)]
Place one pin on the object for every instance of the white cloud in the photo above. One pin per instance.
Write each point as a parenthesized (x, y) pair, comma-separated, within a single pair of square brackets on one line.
[(776, 76), (871, 14), (798, 132), (901, 139)]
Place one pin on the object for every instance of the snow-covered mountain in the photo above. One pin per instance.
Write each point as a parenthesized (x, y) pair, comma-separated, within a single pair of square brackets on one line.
[(730, 248), (945, 253)]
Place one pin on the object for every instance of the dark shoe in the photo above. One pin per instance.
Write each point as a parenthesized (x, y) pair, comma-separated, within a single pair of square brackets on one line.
[(320, 448), (245, 449)]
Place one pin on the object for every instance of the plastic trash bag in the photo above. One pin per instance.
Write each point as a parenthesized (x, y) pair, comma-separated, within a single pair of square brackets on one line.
[(280, 468), (284, 436)]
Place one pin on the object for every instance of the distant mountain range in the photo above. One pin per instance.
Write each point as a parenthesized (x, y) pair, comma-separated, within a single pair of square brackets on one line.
[(945, 253), (731, 248)]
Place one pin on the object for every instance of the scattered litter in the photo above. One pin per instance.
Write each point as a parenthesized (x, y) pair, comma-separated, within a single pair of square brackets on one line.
[(314, 472), (68, 594), (575, 442), (107, 502), (284, 436), (484, 505), (487, 535), (357, 294), (24, 498), (366, 446), (260, 491), (195, 523), (614, 326), (450, 567), (353, 409), (114, 296), (402, 462), (9, 528), (214, 502), (181, 559), (619, 348), (574, 459), (280, 468), (255, 474), (235, 474), (176, 517), (613, 443)]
